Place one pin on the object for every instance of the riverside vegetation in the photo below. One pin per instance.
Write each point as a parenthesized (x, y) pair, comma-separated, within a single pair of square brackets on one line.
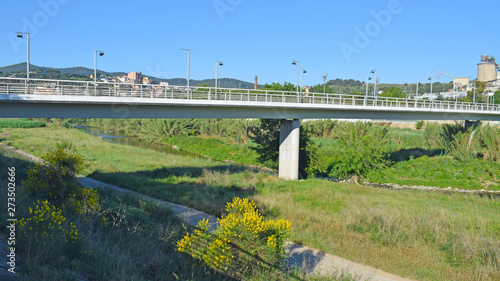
[(426, 236), (69, 232), (376, 152)]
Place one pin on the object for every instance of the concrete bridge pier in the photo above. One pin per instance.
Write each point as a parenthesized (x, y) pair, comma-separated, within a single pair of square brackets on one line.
[(289, 149)]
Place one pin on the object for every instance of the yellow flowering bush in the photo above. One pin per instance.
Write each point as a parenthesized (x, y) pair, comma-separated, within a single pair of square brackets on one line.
[(46, 222), (48, 182), (84, 201), (61, 157), (242, 242)]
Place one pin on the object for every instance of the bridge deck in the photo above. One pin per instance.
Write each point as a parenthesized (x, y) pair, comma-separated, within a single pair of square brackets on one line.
[(76, 99)]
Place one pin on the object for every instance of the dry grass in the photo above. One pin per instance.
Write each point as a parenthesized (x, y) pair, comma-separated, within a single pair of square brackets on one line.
[(426, 236)]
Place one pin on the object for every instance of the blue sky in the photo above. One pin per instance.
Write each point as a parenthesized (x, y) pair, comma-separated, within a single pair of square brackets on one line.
[(406, 41)]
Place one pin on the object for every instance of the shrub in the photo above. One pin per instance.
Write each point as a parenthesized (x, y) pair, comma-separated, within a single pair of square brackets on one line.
[(45, 228), (489, 138), (320, 128), (242, 244), (62, 158), (85, 202), (55, 180), (49, 183), (363, 147), (420, 124)]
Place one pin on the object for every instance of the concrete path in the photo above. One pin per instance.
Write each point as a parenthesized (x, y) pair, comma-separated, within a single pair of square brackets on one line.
[(309, 260)]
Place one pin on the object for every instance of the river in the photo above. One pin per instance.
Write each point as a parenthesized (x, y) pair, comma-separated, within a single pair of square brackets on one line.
[(116, 137), (133, 141)]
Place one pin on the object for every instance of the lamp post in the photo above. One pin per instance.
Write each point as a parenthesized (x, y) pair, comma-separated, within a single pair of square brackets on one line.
[(324, 83), (416, 93), (20, 35), (374, 83), (217, 63), (367, 79), (296, 62), (430, 78), (101, 53), (189, 58), (301, 75), (474, 93)]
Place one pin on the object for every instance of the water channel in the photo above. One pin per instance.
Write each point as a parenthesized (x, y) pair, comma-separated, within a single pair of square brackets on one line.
[(116, 137)]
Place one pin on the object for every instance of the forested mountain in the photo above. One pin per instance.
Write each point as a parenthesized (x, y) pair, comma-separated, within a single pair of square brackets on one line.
[(83, 73)]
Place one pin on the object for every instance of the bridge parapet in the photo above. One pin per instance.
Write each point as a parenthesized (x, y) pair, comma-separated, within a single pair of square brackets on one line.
[(20, 86)]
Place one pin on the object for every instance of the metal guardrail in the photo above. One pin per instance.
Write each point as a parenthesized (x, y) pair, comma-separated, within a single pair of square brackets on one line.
[(89, 88)]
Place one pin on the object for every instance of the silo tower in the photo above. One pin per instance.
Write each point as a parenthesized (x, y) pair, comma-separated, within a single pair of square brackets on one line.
[(487, 69)]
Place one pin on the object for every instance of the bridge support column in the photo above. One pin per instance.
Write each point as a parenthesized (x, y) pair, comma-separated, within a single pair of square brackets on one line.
[(289, 149)]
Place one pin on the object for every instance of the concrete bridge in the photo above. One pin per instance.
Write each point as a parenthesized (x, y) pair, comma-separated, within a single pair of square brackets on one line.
[(41, 98)]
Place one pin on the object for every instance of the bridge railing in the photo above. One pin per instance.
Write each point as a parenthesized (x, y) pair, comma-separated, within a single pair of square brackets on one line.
[(89, 88)]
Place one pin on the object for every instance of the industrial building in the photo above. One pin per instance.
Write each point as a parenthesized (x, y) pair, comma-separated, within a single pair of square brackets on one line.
[(488, 71)]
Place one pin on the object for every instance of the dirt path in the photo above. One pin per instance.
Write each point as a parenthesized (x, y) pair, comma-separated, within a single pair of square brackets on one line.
[(309, 260)]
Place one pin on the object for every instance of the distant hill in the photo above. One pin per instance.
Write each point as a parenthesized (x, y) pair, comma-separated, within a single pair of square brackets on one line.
[(80, 71)]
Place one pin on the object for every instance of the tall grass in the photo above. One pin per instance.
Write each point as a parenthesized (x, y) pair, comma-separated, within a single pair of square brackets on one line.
[(20, 123), (426, 236)]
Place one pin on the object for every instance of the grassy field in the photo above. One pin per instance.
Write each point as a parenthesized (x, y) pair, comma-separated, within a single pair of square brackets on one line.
[(426, 236), (138, 242)]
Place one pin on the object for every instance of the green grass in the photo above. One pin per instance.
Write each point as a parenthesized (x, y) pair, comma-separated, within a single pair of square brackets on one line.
[(21, 123), (422, 235), (216, 149), (441, 171)]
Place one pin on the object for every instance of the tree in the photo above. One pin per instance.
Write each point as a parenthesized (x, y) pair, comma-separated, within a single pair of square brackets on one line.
[(393, 92), (497, 97), (320, 87), (288, 87)]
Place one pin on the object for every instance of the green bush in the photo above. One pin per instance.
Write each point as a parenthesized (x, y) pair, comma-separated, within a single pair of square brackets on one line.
[(420, 124), (54, 180), (363, 147), (320, 128), (21, 123)]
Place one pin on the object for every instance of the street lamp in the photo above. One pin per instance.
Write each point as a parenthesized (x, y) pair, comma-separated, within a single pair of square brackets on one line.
[(296, 62), (367, 79), (20, 35), (301, 75), (324, 83), (430, 78), (374, 83), (474, 93), (189, 57), (101, 53), (416, 93), (217, 63)]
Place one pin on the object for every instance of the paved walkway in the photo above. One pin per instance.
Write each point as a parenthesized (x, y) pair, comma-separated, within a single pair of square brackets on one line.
[(309, 260)]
